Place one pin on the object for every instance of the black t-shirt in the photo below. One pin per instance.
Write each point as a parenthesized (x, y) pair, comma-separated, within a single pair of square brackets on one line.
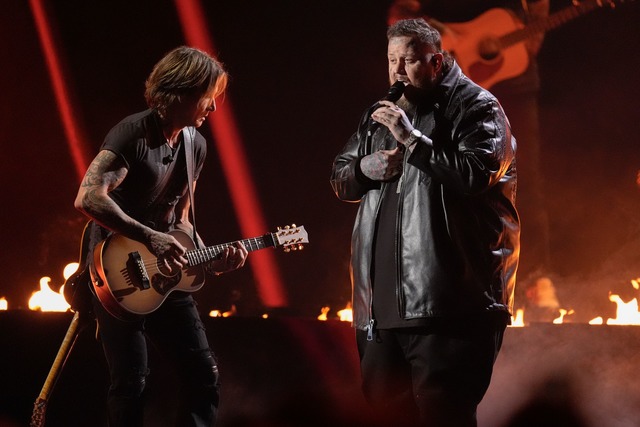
[(386, 308), (386, 301), (157, 176)]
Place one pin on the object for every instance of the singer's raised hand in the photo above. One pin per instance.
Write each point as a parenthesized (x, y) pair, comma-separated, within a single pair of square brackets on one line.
[(394, 118), (382, 165)]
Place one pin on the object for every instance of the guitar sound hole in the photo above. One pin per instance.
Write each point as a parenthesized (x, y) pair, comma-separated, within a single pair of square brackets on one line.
[(489, 48), (167, 271)]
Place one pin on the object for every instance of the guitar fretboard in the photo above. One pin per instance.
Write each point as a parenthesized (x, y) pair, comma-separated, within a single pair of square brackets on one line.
[(200, 256), (554, 20)]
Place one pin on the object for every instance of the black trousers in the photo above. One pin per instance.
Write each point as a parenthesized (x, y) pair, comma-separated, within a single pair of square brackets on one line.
[(178, 333), (429, 376)]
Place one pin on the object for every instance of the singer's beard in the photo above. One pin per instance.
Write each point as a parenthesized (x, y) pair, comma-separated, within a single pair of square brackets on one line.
[(405, 104), (414, 96)]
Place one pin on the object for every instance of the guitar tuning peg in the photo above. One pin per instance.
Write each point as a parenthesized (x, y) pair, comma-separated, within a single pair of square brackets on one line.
[(278, 228), (287, 249), (300, 247), (293, 225)]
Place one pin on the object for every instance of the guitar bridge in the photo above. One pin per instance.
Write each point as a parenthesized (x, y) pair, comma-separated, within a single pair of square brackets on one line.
[(138, 270)]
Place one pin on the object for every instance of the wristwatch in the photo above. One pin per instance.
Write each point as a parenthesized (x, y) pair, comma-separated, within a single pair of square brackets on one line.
[(414, 136)]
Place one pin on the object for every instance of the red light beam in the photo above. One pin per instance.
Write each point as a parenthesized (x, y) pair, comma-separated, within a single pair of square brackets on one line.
[(234, 165), (72, 131)]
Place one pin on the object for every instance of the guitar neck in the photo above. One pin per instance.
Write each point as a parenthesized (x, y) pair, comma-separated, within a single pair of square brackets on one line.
[(200, 256), (552, 21)]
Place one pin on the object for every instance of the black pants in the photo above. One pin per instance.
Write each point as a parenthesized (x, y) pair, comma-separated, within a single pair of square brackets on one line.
[(429, 376), (178, 333)]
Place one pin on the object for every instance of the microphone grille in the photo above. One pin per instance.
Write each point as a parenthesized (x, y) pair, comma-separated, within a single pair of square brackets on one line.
[(395, 91)]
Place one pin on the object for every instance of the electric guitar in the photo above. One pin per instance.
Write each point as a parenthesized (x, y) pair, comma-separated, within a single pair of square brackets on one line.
[(129, 279), (490, 48)]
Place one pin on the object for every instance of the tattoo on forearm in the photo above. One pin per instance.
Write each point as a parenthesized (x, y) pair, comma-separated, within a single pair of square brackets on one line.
[(103, 172)]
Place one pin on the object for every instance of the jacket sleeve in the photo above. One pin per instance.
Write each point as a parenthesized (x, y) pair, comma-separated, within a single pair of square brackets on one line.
[(474, 153), (347, 179)]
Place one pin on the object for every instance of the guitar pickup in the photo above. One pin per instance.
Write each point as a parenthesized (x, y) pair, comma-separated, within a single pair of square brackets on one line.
[(138, 271)]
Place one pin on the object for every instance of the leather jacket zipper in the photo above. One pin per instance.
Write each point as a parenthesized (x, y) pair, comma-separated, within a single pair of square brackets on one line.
[(371, 324), (396, 249)]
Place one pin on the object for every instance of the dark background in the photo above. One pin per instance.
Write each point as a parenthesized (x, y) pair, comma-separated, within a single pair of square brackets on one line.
[(302, 73)]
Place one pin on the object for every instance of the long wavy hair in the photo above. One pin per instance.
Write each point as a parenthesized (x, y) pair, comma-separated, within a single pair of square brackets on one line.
[(183, 71)]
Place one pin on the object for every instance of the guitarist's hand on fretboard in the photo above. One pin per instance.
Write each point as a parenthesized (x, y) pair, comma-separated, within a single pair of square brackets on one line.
[(232, 258)]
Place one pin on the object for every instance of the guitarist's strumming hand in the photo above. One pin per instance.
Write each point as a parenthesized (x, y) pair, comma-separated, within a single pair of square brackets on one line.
[(232, 258), (168, 250)]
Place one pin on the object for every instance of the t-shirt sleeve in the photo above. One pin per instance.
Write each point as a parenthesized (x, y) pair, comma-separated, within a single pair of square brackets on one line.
[(122, 140)]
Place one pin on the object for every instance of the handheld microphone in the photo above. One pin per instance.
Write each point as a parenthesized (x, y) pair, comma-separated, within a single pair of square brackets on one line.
[(395, 92)]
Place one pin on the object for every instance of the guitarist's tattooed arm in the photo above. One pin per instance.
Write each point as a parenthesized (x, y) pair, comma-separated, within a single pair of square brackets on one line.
[(107, 172)]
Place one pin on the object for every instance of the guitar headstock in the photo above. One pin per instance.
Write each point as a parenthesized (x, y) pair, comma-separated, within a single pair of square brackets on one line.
[(291, 237)]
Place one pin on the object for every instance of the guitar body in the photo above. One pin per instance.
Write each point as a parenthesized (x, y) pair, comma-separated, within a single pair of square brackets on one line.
[(119, 284), (129, 280), (77, 288), (491, 47), (476, 46)]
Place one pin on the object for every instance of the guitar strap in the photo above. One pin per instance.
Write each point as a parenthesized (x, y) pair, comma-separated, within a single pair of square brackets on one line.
[(188, 137), (161, 187)]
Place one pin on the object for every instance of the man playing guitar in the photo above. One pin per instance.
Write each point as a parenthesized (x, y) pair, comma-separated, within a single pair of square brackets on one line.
[(139, 185)]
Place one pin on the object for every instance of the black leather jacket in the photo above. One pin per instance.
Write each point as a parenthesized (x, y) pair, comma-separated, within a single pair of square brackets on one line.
[(457, 245)]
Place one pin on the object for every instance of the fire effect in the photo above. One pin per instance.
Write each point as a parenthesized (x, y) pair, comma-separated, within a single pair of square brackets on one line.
[(626, 314), (345, 315), (518, 320), (323, 313), (217, 313), (48, 300), (563, 313)]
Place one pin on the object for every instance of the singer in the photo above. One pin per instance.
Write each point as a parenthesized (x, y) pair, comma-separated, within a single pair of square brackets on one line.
[(435, 244), (137, 186)]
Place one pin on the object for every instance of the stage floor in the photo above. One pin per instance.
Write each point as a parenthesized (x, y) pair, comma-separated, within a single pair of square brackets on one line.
[(301, 372)]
